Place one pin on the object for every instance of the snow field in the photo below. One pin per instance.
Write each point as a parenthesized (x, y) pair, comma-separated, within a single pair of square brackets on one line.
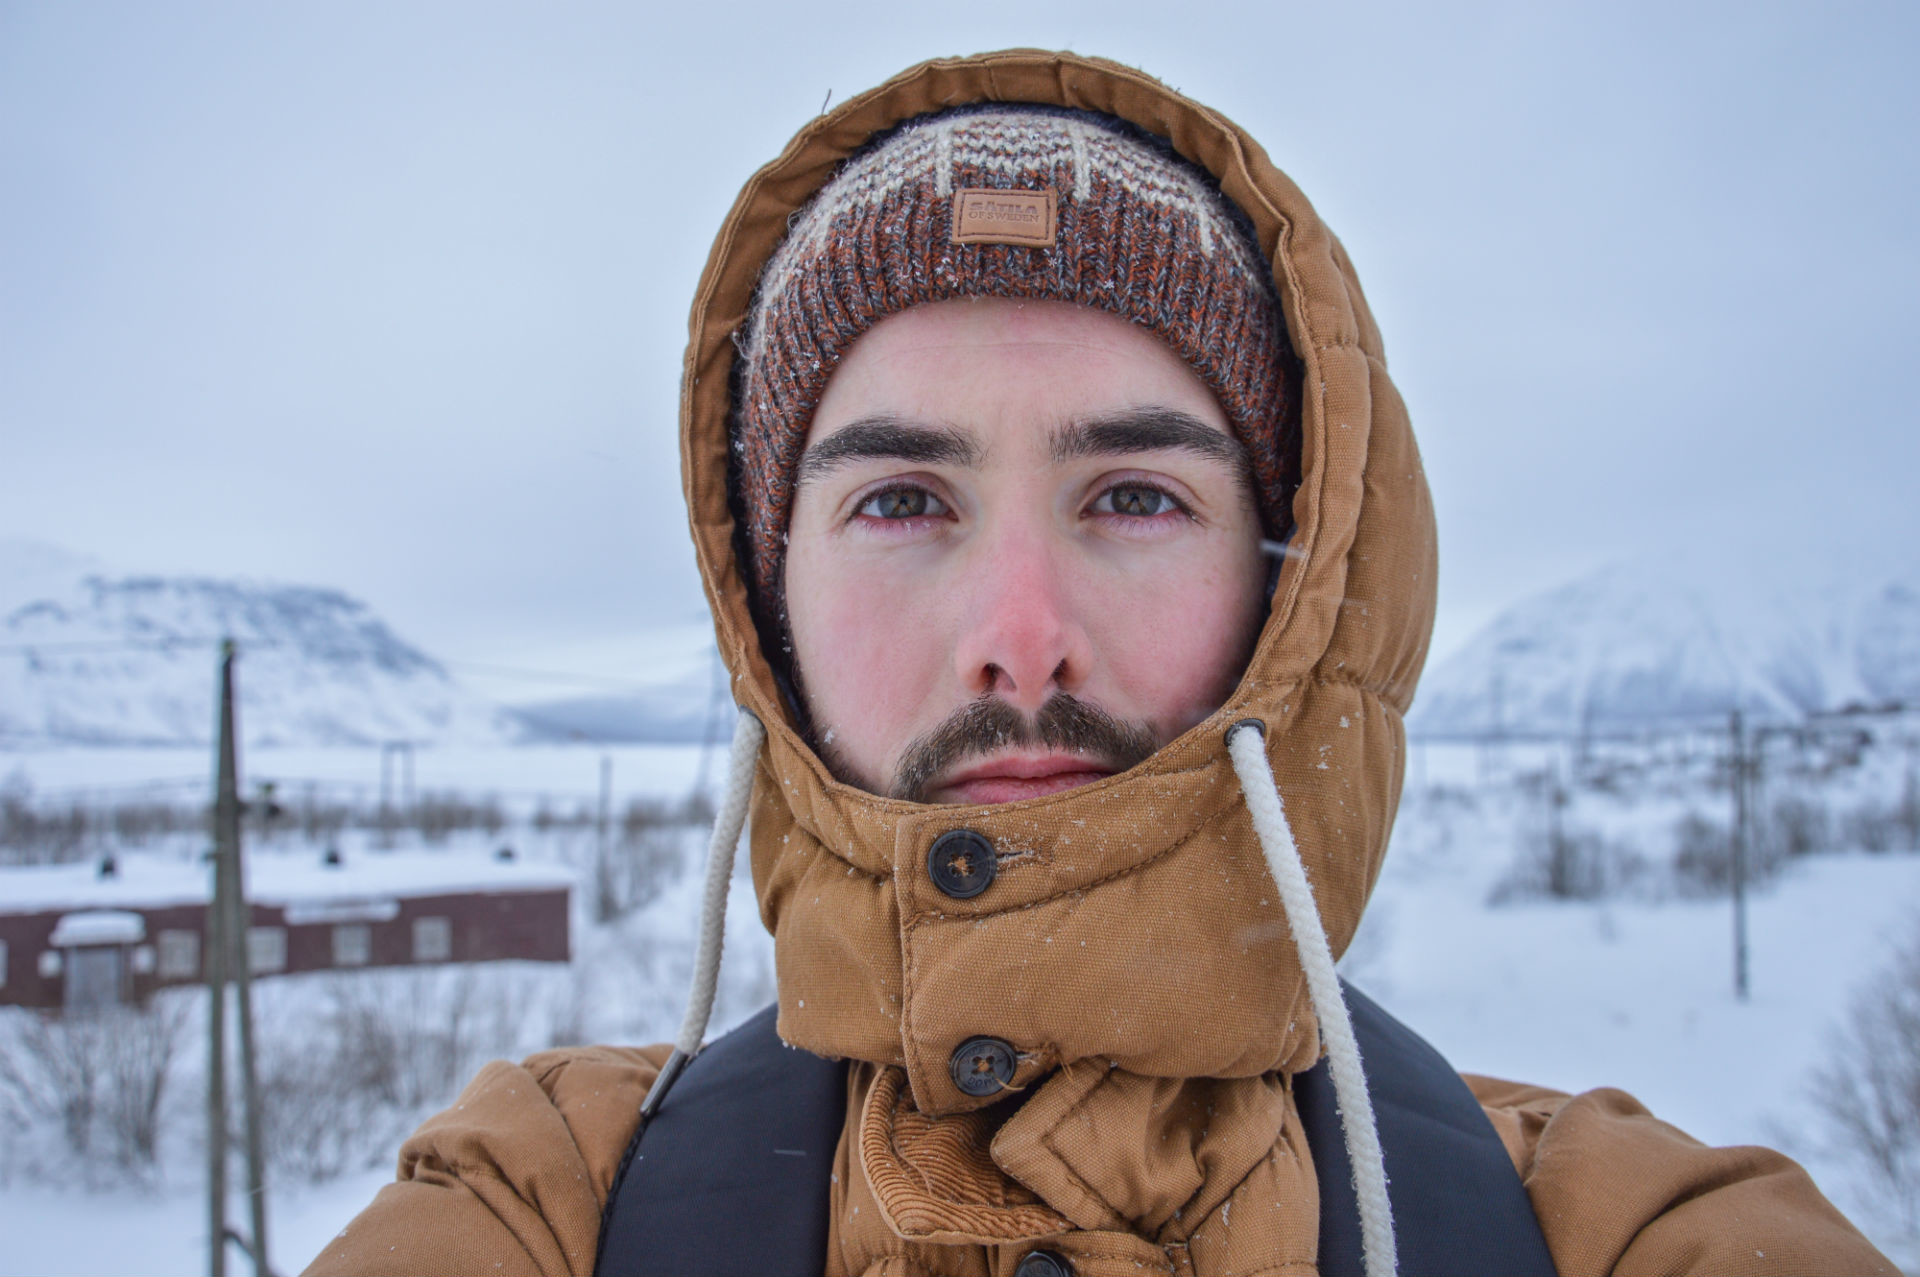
[(1633, 991)]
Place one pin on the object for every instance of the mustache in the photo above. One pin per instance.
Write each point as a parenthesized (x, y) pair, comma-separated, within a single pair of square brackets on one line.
[(988, 724)]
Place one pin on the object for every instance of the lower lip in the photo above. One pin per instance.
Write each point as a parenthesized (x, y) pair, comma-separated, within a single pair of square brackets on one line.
[(1007, 789)]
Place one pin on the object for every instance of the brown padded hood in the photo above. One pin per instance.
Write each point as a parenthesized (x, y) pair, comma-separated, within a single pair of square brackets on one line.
[(1133, 920)]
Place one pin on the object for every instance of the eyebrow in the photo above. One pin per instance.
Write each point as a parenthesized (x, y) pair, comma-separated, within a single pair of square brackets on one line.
[(889, 438), (1149, 430)]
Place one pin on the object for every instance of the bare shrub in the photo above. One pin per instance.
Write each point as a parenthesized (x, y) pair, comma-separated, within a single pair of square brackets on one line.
[(1796, 827), (142, 1047), (438, 816), (350, 1063), (99, 1080), (1874, 827), (629, 872), (32, 834), (1568, 864), (1868, 1091), (1909, 812), (318, 820), (1560, 861), (1703, 856), (314, 1122), (136, 823)]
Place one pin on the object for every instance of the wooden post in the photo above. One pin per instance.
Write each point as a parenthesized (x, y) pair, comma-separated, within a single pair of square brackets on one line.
[(1738, 741), (227, 920), (226, 812), (241, 929)]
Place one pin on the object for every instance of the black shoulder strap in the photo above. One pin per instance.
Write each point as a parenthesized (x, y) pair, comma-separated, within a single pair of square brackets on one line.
[(1458, 1206), (735, 1173)]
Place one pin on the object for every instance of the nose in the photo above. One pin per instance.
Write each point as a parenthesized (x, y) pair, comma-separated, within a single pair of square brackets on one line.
[(1021, 637)]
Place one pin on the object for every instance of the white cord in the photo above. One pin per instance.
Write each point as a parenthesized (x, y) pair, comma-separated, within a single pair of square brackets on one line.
[(1246, 746), (727, 823)]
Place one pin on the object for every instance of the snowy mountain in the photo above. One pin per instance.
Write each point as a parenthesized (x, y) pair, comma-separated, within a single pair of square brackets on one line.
[(674, 713), (88, 657), (673, 692), (1640, 644)]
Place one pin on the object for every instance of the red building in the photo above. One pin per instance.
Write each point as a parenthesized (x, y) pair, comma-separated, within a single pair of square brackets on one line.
[(79, 936)]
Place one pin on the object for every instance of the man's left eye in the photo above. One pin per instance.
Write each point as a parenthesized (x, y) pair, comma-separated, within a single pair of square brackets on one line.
[(1135, 501)]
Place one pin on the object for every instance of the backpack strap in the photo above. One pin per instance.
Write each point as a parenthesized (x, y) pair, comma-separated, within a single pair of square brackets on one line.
[(1458, 1206), (735, 1175), (736, 1172)]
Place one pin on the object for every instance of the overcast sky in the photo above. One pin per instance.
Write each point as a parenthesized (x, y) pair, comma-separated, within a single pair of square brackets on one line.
[(391, 297)]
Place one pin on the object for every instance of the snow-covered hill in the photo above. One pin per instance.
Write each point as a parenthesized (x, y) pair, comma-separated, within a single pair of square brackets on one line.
[(86, 656), (1639, 645)]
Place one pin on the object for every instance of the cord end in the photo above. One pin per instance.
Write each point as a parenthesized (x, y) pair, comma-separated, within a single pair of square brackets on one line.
[(669, 1074)]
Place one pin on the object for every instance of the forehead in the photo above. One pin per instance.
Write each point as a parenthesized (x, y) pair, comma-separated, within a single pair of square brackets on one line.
[(1008, 367)]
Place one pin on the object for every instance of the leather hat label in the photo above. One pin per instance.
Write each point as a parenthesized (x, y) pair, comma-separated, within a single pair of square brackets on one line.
[(1004, 217)]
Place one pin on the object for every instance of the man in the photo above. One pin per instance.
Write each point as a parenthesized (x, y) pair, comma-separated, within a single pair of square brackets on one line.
[(1072, 557)]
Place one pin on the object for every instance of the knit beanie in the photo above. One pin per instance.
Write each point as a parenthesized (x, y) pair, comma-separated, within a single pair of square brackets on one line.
[(1030, 203)]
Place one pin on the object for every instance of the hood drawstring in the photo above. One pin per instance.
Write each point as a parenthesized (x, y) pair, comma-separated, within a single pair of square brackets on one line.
[(1246, 746), (748, 734)]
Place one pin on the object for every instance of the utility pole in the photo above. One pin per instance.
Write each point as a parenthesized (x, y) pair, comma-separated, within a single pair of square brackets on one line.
[(227, 921), (1737, 773), (226, 805), (386, 794), (605, 810), (390, 814), (408, 801), (1910, 794), (1562, 880), (1494, 730)]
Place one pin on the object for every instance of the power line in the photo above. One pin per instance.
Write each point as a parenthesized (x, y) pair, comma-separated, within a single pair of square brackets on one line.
[(575, 677), (112, 645), (549, 676)]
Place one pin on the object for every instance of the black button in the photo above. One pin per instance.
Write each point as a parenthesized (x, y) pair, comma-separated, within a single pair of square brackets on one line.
[(1043, 1263), (962, 863), (982, 1066)]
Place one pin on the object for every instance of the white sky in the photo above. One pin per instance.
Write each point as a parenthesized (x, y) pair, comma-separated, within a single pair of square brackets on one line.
[(391, 296)]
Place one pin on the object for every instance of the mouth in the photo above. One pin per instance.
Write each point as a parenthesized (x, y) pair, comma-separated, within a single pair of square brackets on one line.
[(1008, 778)]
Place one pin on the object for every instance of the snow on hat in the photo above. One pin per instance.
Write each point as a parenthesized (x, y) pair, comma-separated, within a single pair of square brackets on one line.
[(1032, 203)]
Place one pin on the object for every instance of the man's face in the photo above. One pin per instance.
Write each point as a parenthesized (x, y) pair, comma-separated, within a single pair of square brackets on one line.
[(1024, 553)]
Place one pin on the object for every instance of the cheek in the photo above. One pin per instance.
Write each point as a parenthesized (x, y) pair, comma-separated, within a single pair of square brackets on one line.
[(1176, 646), (868, 651)]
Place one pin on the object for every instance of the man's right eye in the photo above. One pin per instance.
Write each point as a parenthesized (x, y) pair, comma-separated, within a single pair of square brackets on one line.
[(902, 503)]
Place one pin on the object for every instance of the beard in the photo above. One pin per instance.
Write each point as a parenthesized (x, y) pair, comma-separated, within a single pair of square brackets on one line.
[(989, 724)]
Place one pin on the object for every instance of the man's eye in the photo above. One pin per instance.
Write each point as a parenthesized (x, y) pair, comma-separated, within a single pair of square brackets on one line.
[(1135, 501), (902, 503)]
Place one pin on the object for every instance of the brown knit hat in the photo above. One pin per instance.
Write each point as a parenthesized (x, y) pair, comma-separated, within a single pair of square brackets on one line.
[(1020, 202)]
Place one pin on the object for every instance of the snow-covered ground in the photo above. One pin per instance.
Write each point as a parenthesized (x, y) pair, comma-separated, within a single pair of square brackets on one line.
[(520, 773), (1633, 991)]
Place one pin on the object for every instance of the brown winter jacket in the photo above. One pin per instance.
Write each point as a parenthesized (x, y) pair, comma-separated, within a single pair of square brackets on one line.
[(1132, 947)]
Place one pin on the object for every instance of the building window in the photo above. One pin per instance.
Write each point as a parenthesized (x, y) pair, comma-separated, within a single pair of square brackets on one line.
[(432, 939), (179, 955), (352, 945), (3, 964), (267, 950), (94, 979)]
